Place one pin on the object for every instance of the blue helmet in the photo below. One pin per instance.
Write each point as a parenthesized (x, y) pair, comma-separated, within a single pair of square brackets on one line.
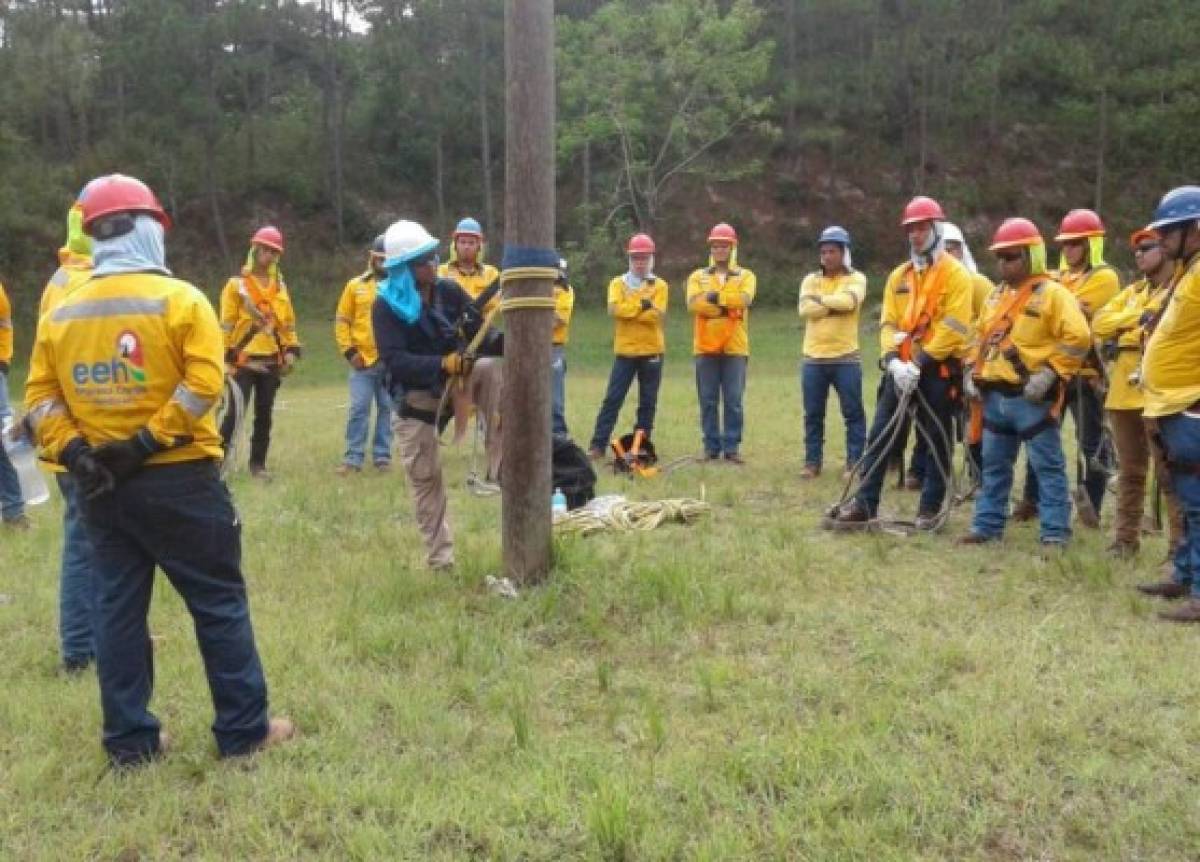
[(469, 227), (1179, 204), (834, 233)]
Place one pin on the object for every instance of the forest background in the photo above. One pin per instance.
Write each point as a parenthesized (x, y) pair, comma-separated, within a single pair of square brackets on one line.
[(332, 118)]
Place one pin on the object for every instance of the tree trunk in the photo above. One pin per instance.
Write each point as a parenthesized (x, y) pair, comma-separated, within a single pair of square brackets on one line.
[(485, 126), (212, 133), (439, 182), (1101, 147), (529, 223)]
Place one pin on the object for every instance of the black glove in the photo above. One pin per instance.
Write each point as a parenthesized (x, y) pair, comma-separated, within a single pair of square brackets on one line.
[(125, 457), (647, 305), (3, 367), (231, 356), (91, 477), (713, 297)]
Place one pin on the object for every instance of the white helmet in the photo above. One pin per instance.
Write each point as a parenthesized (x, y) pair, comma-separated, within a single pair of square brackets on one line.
[(406, 240)]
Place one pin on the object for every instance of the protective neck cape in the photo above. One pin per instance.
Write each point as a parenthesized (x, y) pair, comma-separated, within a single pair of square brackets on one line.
[(929, 255), (634, 282), (399, 288), (140, 250), (1095, 257)]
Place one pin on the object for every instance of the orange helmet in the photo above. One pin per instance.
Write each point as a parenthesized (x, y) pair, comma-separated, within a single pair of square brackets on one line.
[(922, 208), (270, 237), (723, 233), (640, 243), (117, 193), (1140, 236), (1015, 233), (1079, 224)]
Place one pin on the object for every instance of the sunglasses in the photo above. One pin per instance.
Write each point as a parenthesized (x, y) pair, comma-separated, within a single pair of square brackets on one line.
[(1008, 256), (1147, 247)]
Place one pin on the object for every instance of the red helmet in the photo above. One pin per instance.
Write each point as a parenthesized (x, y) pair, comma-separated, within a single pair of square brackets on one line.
[(640, 243), (117, 193), (723, 233), (268, 236), (1078, 224), (922, 209), (1015, 233)]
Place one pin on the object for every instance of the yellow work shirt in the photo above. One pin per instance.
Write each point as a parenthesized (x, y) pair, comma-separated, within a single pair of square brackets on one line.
[(981, 289), (6, 330), (1049, 330), (352, 321), (274, 326), (564, 305), (474, 281), (947, 332), (73, 270), (638, 331), (1171, 364), (127, 352), (721, 327), (1093, 288), (830, 306), (1120, 320)]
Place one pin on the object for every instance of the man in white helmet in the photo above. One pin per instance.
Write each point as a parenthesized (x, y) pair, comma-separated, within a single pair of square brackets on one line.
[(425, 329)]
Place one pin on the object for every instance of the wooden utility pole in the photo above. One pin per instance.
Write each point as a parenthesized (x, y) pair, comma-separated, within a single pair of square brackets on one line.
[(528, 225)]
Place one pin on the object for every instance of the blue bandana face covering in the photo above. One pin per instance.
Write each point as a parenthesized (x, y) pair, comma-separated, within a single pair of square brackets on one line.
[(399, 288)]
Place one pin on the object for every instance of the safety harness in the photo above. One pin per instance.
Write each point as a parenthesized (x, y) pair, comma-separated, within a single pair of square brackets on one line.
[(262, 318)]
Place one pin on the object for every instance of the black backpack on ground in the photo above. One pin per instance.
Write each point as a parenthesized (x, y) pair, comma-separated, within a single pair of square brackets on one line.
[(572, 472)]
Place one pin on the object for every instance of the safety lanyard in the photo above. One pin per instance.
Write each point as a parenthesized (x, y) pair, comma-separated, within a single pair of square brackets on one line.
[(999, 331)]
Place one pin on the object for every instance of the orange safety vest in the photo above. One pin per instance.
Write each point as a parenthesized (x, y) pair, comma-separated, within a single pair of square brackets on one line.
[(918, 314), (708, 341)]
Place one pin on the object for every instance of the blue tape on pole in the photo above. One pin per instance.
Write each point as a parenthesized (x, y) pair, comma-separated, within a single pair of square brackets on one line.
[(527, 255)]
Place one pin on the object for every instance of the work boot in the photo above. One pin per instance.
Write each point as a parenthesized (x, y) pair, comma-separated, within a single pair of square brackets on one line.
[(21, 522), (258, 471), (710, 456), (1188, 612), (976, 539), (1024, 511), (926, 520), (735, 459), (1087, 517), (383, 466), (810, 471), (1122, 550), (852, 516), (1169, 590), (595, 454), (76, 664), (913, 483), (348, 469)]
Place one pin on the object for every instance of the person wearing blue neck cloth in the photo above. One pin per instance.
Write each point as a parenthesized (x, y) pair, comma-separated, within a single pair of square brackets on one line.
[(423, 326)]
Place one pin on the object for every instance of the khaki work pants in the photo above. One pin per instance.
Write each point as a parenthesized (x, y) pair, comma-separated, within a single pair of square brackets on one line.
[(417, 444), (1134, 452)]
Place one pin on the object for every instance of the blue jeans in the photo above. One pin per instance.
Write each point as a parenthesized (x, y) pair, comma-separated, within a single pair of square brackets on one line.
[(846, 379), (648, 371), (1007, 422), (367, 386), (76, 586), (179, 517), (721, 378), (1088, 413), (558, 391), (935, 389), (1180, 436), (12, 504)]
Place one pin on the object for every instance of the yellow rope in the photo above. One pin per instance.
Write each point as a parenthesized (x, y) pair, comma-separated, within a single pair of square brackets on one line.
[(528, 303), (628, 517), (515, 273)]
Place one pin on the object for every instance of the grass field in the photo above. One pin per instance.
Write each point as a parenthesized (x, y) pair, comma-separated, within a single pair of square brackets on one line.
[(746, 688)]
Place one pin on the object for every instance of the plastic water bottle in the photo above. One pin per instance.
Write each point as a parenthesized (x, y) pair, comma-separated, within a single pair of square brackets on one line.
[(558, 504), (24, 460)]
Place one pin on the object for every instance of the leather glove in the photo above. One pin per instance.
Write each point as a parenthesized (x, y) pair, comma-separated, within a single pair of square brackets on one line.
[(969, 387), (647, 305), (91, 477), (713, 297), (125, 457), (905, 375), (457, 364), (1039, 384)]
